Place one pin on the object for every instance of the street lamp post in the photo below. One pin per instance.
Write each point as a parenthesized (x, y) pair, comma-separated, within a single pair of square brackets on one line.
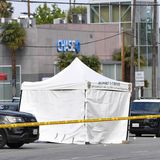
[(154, 51), (132, 71), (28, 8), (123, 56)]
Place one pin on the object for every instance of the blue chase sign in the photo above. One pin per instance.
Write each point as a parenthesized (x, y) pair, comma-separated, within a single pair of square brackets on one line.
[(68, 46)]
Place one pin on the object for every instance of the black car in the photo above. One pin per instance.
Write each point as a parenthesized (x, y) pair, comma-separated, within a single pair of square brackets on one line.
[(17, 137), (12, 105), (145, 126)]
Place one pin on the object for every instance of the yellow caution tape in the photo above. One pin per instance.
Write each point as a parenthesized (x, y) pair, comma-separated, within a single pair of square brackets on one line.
[(33, 124)]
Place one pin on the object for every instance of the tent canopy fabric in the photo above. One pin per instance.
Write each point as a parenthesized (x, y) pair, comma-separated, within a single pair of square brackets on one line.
[(78, 92), (77, 76)]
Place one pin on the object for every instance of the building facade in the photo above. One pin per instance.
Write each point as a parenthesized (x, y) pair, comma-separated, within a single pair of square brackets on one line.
[(102, 37), (37, 60), (120, 12)]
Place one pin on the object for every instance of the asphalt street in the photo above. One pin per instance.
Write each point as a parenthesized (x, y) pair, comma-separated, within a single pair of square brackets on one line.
[(139, 148)]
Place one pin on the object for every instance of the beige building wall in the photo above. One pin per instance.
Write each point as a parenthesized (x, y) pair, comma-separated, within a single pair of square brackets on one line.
[(39, 55)]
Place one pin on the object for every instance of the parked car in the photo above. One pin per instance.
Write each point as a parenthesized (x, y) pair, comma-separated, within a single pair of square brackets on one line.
[(145, 126), (12, 105), (17, 137)]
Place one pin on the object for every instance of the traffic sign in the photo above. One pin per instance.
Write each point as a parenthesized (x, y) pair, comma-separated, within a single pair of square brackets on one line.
[(139, 78)]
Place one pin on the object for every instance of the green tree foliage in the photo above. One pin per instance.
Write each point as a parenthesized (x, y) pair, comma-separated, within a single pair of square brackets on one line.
[(46, 15), (13, 36), (6, 9), (127, 60), (91, 61), (75, 10)]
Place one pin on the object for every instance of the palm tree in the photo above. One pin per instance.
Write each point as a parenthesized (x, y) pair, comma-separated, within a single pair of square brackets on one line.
[(6, 9), (127, 60), (13, 36)]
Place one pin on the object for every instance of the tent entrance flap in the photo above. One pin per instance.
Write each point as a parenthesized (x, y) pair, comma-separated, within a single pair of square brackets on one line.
[(103, 104)]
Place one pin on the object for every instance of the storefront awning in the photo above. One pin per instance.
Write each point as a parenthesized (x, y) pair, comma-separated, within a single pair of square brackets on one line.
[(3, 76)]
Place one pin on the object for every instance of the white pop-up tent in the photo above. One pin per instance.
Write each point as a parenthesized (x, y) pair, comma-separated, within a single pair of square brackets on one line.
[(78, 92)]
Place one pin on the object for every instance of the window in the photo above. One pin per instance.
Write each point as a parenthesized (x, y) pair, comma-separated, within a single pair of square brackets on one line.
[(94, 13), (104, 13), (110, 13), (146, 106), (113, 71), (125, 13), (115, 13), (6, 86)]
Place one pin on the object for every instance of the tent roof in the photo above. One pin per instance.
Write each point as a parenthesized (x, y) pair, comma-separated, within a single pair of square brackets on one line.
[(77, 76)]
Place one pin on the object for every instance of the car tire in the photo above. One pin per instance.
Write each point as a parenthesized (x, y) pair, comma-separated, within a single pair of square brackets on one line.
[(3, 139), (158, 134), (15, 145), (138, 135)]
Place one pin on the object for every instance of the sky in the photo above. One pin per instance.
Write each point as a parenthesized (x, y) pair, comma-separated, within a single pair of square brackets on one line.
[(20, 7)]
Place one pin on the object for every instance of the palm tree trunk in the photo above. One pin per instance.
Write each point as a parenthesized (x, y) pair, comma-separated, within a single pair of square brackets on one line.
[(13, 59), (127, 73)]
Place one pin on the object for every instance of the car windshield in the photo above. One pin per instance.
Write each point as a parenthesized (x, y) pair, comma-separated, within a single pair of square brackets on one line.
[(145, 106)]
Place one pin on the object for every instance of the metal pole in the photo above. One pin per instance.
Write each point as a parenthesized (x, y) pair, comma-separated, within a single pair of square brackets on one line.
[(154, 52), (132, 70), (122, 57), (139, 66), (139, 88), (28, 8), (69, 4)]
